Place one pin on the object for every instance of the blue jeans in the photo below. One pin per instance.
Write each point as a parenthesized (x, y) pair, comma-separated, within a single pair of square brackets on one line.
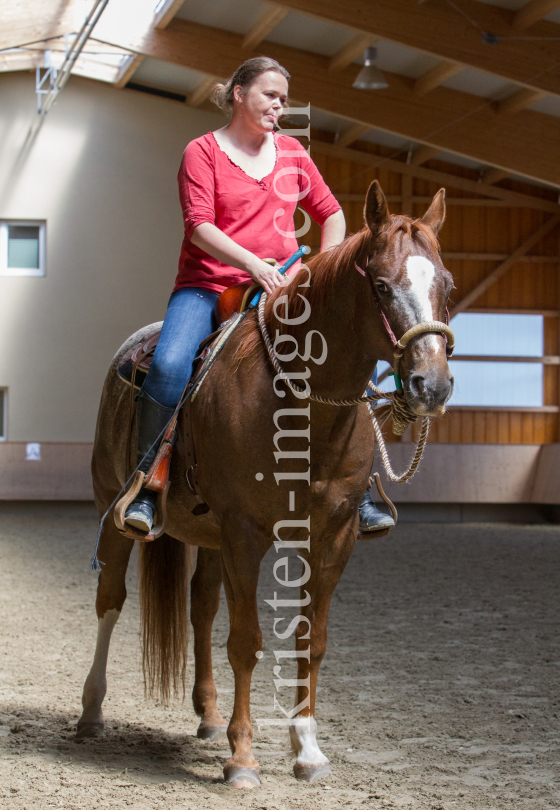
[(189, 319)]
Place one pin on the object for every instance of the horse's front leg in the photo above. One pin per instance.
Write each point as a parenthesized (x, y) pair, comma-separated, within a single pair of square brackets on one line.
[(114, 553), (241, 558), (326, 563), (205, 601)]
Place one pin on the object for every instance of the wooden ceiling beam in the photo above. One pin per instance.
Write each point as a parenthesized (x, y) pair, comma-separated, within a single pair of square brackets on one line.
[(519, 101), (353, 133), (436, 76), (128, 70), (262, 28), (461, 202), (32, 21), (202, 92), (24, 60), (515, 198), (447, 119), (491, 176), (346, 55), (423, 153), (163, 18), (532, 12), (167, 12), (437, 29)]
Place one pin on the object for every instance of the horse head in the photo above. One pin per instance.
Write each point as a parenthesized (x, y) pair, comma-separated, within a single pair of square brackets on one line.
[(410, 285)]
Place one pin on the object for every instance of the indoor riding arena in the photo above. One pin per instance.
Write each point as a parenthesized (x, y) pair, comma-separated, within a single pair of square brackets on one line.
[(438, 689)]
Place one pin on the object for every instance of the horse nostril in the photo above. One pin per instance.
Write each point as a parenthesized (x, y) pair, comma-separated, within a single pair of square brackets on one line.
[(417, 385)]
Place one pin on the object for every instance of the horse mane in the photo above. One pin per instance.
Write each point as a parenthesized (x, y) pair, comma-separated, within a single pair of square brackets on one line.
[(325, 270)]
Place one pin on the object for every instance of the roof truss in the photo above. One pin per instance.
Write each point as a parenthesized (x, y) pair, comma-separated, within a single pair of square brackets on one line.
[(445, 119), (435, 27)]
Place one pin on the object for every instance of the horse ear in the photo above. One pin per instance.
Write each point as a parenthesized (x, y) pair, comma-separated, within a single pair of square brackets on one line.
[(376, 210), (435, 214)]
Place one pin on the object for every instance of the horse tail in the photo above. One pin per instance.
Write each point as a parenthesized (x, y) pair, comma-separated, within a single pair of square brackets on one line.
[(164, 579)]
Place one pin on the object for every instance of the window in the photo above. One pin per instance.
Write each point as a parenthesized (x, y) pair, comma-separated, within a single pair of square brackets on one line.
[(22, 248), (496, 382), (3, 403)]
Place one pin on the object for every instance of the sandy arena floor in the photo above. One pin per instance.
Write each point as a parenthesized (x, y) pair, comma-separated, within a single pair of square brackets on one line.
[(439, 689)]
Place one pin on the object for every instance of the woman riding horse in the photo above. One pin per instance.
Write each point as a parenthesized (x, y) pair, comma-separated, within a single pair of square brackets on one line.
[(239, 187)]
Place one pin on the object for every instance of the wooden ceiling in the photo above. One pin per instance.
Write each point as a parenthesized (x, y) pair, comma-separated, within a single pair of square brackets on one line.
[(517, 45)]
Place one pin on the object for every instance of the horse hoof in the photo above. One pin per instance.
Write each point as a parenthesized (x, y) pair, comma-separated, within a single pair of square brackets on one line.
[(309, 773), (209, 732), (239, 777), (88, 730)]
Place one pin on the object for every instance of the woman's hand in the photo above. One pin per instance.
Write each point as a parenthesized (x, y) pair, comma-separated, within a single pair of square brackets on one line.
[(265, 272)]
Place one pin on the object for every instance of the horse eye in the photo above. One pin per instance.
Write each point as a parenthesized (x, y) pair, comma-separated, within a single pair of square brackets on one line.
[(382, 287)]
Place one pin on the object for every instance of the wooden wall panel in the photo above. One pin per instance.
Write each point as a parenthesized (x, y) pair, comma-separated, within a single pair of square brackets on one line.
[(530, 284)]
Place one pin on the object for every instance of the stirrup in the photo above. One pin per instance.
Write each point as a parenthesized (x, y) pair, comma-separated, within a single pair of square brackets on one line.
[(160, 514), (394, 514)]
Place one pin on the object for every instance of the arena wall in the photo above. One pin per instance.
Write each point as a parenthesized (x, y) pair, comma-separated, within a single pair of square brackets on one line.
[(102, 174)]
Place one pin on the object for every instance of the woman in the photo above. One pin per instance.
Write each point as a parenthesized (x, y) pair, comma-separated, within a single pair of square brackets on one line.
[(239, 187)]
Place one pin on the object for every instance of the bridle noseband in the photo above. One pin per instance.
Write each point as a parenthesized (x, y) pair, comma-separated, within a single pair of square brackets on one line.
[(438, 327)]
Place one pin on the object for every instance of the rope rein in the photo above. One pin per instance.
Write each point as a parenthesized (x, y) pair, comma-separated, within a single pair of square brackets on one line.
[(401, 412)]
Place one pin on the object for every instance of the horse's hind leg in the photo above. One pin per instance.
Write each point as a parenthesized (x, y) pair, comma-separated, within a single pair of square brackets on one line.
[(205, 601), (114, 552)]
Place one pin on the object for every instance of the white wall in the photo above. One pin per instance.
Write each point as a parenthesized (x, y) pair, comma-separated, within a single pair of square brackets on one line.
[(102, 173)]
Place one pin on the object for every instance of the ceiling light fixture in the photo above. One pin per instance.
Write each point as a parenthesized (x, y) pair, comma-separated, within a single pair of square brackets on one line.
[(370, 77)]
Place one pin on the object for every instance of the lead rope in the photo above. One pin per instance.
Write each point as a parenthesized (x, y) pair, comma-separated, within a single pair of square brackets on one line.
[(401, 412)]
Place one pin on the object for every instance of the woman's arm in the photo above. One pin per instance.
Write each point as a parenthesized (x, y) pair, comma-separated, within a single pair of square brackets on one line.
[(333, 230), (213, 241)]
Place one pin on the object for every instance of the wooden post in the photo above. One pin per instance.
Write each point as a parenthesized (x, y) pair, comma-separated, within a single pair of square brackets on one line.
[(406, 193)]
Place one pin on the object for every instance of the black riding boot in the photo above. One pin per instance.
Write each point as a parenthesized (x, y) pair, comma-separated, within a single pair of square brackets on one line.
[(151, 419), (373, 519)]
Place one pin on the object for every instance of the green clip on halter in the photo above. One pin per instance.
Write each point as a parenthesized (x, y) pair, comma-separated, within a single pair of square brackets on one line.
[(398, 382)]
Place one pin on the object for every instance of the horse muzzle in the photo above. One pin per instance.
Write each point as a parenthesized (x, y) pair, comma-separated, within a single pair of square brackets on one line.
[(428, 393)]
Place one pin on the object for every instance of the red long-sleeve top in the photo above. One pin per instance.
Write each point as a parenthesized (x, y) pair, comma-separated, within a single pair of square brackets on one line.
[(256, 214)]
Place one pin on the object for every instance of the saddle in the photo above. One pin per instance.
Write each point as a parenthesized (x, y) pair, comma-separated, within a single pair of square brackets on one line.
[(135, 364)]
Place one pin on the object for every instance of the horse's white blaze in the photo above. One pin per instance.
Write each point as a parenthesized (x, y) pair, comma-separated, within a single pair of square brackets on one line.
[(303, 735), (420, 272)]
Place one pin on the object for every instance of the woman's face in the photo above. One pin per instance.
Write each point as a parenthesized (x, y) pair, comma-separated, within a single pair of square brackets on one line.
[(262, 104)]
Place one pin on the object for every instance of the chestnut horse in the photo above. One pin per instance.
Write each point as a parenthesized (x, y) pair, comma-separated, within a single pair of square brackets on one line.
[(308, 489)]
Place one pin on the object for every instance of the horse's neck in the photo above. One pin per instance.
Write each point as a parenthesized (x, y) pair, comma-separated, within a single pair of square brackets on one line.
[(350, 324)]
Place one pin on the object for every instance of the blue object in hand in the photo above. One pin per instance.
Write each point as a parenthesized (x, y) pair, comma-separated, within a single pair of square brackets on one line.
[(302, 251)]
